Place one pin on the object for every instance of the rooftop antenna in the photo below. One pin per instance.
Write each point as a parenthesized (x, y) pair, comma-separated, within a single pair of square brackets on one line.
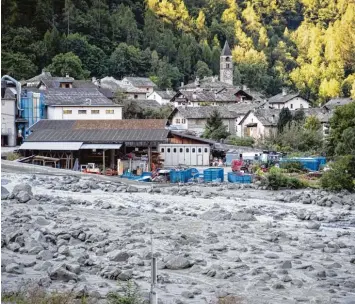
[(153, 295)]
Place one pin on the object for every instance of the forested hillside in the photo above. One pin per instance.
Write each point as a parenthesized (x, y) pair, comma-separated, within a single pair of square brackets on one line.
[(306, 44)]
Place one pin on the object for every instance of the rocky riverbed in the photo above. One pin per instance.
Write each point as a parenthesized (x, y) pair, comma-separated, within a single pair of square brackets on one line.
[(88, 235)]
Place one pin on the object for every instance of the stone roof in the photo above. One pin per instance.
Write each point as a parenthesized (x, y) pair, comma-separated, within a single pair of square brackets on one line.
[(207, 83), (165, 94), (48, 80), (282, 98), (140, 81), (226, 50), (206, 96), (99, 131), (322, 114), (117, 85), (83, 84), (267, 116), (75, 97), (242, 108), (144, 103), (203, 112), (333, 103)]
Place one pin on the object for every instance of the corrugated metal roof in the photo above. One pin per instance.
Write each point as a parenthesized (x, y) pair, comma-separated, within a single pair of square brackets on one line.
[(54, 146), (100, 146), (98, 136)]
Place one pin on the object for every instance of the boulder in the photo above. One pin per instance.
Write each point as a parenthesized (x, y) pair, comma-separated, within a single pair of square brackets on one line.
[(187, 295), (118, 256), (125, 275), (313, 225), (4, 193), (243, 217), (33, 202), (271, 255), (23, 197), (14, 268), (41, 221), (286, 264), (216, 214), (60, 273), (132, 189), (63, 209), (178, 262), (22, 188)]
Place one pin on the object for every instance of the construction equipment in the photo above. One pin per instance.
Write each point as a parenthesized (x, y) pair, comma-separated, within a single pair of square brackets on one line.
[(90, 168)]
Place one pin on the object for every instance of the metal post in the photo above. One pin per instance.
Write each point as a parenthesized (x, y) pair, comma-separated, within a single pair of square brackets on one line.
[(103, 161), (149, 158), (153, 295)]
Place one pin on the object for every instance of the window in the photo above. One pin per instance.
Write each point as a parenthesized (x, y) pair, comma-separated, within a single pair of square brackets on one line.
[(67, 85), (67, 112), (174, 150), (177, 120), (227, 65), (135, 96), (181, 150), (199, 150), (81, 111), (193, 150), (95, 111), (147, 89), (206, 150), (228, 59), (301, 105), (110, 111), (183, 120), (291, 106), (162, 150), (168, 150), (187, 150)]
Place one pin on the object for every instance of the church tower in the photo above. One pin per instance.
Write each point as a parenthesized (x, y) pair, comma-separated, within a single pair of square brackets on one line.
[(226, 65)]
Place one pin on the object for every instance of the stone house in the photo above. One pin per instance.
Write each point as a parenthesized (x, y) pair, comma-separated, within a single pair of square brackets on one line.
[(292, 101), (162, 97)]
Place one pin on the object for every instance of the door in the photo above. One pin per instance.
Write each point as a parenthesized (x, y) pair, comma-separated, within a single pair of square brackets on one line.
[(193, 161), (181, 156), (188, 156), (175, 155), (199, 156)]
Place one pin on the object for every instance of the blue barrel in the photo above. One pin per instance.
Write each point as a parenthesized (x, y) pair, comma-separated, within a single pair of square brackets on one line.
[(321, 159), (241, 179), (213, 174)]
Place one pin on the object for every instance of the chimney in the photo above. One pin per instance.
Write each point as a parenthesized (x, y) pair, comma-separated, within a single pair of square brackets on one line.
[(182, 84), (284, 91), (244, 87), (194, 95), (93, 79), (67, 75), (197, 81)]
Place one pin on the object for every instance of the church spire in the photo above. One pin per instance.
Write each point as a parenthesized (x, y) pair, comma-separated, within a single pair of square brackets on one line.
[(226, 50)]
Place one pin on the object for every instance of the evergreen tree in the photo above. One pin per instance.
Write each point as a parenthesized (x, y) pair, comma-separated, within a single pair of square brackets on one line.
[(285, 118), (215, 129)]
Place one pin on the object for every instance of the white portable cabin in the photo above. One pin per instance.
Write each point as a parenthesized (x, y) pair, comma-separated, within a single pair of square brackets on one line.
[(189, 155)]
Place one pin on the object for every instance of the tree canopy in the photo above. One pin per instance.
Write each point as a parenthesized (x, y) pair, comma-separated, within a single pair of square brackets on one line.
[(306, 45)]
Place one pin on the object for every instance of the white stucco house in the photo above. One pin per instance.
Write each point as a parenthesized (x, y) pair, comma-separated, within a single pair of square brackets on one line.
[(86, 103), (162, 97), (293, 101), (259, 123)]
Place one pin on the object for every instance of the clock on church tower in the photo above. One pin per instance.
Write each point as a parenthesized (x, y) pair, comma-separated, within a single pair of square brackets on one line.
[(226, 65)]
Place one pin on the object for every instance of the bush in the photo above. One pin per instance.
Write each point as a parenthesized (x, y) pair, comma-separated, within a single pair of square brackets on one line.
[(12, 156), (276, 179), (294, 166), (130, 295), (241, 141), (341, 174)]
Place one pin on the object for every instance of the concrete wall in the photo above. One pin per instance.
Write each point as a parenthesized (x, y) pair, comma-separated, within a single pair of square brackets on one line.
[(293, 104), (58, 113), (136, 95), (8, 116)]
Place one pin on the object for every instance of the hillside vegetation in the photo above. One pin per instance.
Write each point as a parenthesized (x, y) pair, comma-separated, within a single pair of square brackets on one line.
[(306, 44)]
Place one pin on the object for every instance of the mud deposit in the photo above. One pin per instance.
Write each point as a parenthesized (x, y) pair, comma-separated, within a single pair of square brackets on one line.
[(82, 234)]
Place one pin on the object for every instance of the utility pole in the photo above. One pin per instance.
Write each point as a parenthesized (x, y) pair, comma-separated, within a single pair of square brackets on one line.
[(153, 295)]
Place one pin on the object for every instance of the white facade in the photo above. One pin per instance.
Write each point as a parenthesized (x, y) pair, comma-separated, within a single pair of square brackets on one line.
[(84, 112), (148, 89), (252, 127), (189, 155), (136, 95), (292, 104), (197, 125), (156, 96), (8, 116)]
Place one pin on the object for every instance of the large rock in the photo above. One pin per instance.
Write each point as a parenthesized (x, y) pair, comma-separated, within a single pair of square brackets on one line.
[(313, 225), (41, 221), (243, 217), (216, 214), (23, 197), (14, 268), (178, 262), (118, 256), (4, 193), (22, 188), (61, 273)]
